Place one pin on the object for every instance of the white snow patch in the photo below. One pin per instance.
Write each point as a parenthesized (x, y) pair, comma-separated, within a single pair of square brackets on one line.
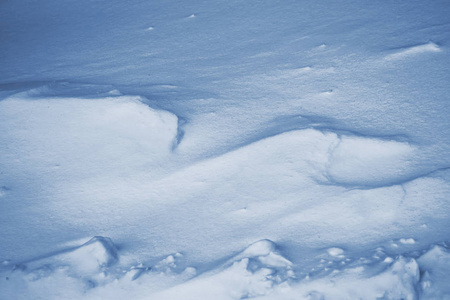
[(115, 92), (246, 277), (435, 264), (415, 50), (357, 160), (92, 256), (409, 241), (86, 136), (321, 47), (265, 252), (254, 272), (388, 260), (334, 251), (263, 247)]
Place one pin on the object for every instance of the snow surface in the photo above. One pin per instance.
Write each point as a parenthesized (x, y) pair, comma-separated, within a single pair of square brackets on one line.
[(224, 149)]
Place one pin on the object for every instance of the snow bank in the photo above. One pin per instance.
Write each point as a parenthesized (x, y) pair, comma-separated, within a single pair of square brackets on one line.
[(265, 252), (97, 254), (414, 50), (71, 156), (254, 272), (399, 279), (260, 272), (83, 137), (320, 126), (435, 267), (369, 161), (111, 174)]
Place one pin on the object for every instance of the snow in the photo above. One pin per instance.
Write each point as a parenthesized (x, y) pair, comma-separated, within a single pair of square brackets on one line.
[(407, 241), (335, 251), (224, 150), (97, 253), (414, 50), (246, 275)]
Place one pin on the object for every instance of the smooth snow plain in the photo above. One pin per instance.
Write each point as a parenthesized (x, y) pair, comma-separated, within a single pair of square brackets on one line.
[(224, 150)]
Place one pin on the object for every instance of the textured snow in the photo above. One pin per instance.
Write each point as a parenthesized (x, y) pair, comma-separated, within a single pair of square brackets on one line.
[(414, 50), (249, 274), (224, 150)]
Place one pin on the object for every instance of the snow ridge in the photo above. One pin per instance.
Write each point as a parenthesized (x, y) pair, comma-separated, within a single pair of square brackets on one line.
[(258, 272)]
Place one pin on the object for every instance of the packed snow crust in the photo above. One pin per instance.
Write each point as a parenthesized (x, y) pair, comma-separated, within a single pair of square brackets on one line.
[(224, 150)]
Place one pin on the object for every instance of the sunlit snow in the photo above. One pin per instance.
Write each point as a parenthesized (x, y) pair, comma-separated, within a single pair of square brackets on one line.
[(215, 150)]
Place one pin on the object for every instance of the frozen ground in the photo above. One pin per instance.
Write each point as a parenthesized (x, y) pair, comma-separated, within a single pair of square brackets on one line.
[(224, 149)]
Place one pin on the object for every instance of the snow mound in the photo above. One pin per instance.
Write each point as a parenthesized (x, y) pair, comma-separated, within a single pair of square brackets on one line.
[(334, 251), (97, 254), (79, 137), (398, 278), (397, 281), (265, 253), (435, 266), (369, 161), (409, 241), (414, 50), (91, 258), (254, 272), (260, 271)]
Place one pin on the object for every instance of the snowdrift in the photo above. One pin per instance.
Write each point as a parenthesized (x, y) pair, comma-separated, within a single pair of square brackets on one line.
[(274, 149), (95, 270)]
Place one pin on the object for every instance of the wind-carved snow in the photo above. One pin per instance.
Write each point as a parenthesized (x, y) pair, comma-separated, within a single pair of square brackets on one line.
[(89, 259), (253, 273), (260, 271), (435, 265), (414, 50), (409, 241), (280, 152), (296, 179), (399, 281), (86, 136), (368, 161), (266, 253), (335, 252), (98, 253)]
